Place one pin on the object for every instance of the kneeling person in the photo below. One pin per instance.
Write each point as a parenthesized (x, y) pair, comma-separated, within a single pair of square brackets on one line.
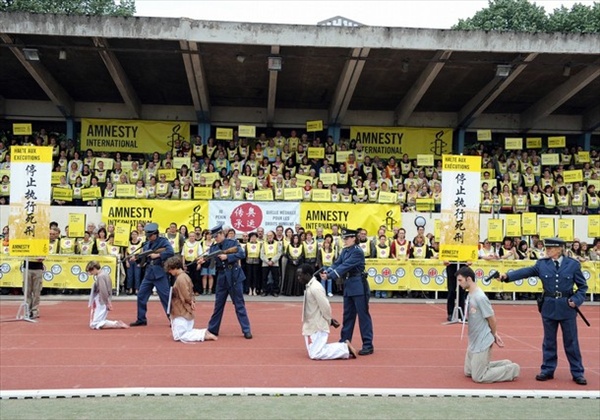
[(183, 305), (316, 319), (482, 335), (100, 299)]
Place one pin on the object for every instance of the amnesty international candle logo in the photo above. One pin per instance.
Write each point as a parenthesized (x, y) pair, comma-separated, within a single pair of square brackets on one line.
[(460, 208)]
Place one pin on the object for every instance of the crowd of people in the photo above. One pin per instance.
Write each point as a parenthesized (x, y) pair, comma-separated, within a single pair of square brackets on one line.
[(272, 258), (240, 169)]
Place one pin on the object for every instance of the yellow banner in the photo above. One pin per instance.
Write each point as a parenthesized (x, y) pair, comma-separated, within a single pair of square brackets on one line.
[(583, 157), (134, 136), (321, 195), (386, 197), (495, 230), (513, 143), (484, 135), (210, 177), (203, 193), (437, 228), (386, 142), (424, 204), (164, 212), (513, 225), (491, 175), (529, 223), (92, 193), (391, 275), (125, 191), (302, 179), (122, 231), (546, 227), (77, 225), (247, 180), (594, 225), (178, 162), (573, 176), (366, 216), (566, 229), (170, 174), (534, 142), (316, 153), (22, 129), (557, 142), (316, 125), (107, 163), (342, 156), (328, 179), (425, 160), (293, 194), (224, 133), (263, 195), (60, 271), (62, 194), (247, 131), (550, 159)]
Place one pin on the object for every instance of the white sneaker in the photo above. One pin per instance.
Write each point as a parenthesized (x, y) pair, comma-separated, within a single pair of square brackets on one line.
[(330, 294)]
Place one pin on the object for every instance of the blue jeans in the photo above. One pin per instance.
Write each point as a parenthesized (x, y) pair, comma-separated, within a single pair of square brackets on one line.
[(162, 288), (326, 285)]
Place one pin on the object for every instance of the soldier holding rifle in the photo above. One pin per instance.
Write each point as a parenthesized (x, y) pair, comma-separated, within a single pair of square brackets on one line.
[(559, 305), (156, 250)]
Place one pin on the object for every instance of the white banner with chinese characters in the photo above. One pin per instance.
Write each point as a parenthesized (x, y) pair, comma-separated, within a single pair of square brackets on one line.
[(245, 217), (460, 207), (29, 215)]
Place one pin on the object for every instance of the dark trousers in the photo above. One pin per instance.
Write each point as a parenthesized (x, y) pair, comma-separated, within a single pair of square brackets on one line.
[(451, 270), (162, 288), (134, 276), (570, 343), (236, 291), (254, 276), (273, 287), (353, 306)]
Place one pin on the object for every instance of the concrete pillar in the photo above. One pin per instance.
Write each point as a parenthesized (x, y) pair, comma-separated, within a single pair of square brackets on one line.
[(587, 141), (204, 131), (460, 142), (70, 129), (334, 130)]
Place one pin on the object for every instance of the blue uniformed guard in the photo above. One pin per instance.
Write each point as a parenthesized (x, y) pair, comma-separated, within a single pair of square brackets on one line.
[(350, 266), (559, 274), (230, 282), (156, 250)]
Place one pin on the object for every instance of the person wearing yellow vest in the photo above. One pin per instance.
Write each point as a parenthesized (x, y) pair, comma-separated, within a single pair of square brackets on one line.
[(420, 250), (270, 255), (191, 251), (253, 264), (54, 245), (364, 243), (86, 244), (325, 257), (174, 238), (310, 249), (295, 253), (593, 201), (208, 269), (134, 271), (68, 245)]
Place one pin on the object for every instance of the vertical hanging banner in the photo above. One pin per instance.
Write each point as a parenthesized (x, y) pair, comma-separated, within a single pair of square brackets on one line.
[(29, 214), (546, 227), (513, 225), (566, 229), (529, 223), (495, 230), (460, 208), (594, 226)]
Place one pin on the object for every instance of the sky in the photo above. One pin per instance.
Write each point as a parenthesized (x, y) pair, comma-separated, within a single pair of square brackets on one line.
[(394, 13)]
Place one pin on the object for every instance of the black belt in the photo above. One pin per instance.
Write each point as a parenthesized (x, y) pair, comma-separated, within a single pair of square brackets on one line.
[(228, 266), (558, 294)]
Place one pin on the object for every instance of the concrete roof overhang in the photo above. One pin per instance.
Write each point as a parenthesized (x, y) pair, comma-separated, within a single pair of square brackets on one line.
[(216, 72)]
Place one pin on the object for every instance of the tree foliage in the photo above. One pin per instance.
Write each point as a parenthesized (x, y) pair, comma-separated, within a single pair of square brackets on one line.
[(521, 15), (71, 7)]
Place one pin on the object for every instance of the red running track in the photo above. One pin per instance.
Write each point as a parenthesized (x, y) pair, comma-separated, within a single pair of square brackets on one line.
[(413, 349)]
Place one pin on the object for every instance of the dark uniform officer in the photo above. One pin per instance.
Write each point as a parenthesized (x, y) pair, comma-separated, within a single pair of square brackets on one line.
[(558, 274), (154, 275), (350, 265), (230, 282)]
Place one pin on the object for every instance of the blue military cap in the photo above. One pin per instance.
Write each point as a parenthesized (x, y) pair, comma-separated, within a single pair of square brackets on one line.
[(346, 233), (151, 228), (216, 229), (554, 242)]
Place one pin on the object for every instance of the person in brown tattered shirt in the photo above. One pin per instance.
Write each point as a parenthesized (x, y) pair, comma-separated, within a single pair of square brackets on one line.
[(183, 305)]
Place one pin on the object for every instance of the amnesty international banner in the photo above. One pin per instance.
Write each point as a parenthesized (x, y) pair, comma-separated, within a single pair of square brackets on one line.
[(460, 208), (163, 212), (29, 212), (513, 225), (132, 136), (594, 226), (546, 227), (386, 142), (529, 223), (495, 230), (566, 229), (353, 216), (60, 271)]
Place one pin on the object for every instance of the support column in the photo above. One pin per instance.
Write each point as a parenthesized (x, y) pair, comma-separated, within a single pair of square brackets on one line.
[(204, 131), (587, 140), (71, 129), (460, 144), (334, 130)]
